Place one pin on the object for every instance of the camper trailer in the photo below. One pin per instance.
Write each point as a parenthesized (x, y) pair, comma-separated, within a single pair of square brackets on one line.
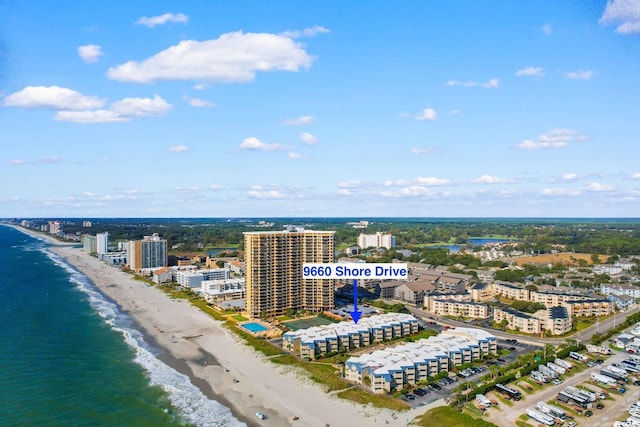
[(556, 368), (540, 417)]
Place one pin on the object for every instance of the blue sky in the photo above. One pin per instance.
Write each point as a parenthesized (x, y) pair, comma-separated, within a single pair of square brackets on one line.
[(321, 108)]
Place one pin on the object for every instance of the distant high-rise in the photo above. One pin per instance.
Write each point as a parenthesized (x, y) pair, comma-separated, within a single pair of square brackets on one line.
[(273, 271), (148, 253), (102, 243), (377, 240)]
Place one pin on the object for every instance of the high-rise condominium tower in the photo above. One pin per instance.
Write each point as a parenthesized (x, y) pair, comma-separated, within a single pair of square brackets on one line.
[(273, 269)]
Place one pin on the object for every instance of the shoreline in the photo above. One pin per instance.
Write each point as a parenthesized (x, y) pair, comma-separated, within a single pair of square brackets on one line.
[(188, 338)]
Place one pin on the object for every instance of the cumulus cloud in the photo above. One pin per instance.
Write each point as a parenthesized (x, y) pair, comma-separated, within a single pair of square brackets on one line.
[(259, 192), (93, 116), (129, 107), (579, 75), (410, 191), (153, 21), (421, 150), (569, 177), (294, 155), (489, 179), (254, 144), (432, 180), (546, 28), (395, 183), (178, 148), (307, 32), (345, 192), (428, 114), (596, 187), (49, 160), (554, 138), (350, 184), (303, 120), (90, 53), (52, 97), (492, 83), (635, 175), (625, 14), (198, 103), (560, 192), (308, 139), (530, 71), (231, 58)]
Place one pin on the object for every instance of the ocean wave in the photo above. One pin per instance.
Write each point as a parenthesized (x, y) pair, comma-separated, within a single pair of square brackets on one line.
[(192, 406)]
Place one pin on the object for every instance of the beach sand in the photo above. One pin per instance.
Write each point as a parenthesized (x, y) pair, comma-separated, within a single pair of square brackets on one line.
[(198, 346)]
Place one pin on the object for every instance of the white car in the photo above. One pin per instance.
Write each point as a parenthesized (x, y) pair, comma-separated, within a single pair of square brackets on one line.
[(557, 382), (261, 415)]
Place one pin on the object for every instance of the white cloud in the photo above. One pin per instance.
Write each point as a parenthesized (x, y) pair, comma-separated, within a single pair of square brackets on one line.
[(345, 192), (178, 148), (635, 175), (48, 160), (530, 71), (304, 120), (198, 103), (623, 13), (350, 184), (232, 57), (560, 192), (153, 21), (546, 28), (308, 139), (421, 150), (554, 138), (579, 75), (52, 97), (489, 179), (17, 162), (492, 83), (428, 114), (454, 112), (294, 155), (254, 144), (155, 106), (432, 180), (396, 183), (259, 193), (307, 32), (90, 53), (410, 191), (569, 177), (90, 116), (596, 187)]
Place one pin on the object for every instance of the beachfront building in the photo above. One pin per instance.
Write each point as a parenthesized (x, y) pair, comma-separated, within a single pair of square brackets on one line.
[(555, 299), (510, 291), (444, 306), (517, 320), (163, 275), (89, 244), (377, 240), (102, 243), (194, 278), (273, 271), (150, 253), (55, 227), (384, 371), (317, 341), (228, 289)]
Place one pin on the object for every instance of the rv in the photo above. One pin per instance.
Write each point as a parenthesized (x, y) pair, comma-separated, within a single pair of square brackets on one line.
[(483, 401), (564, 363), (554, 411), (578, 356), (508, 392), (587, 395), (558, 369), (614, 375), (598, 349), (617, 370), (603, 379), (540, 417), (548, 371), (539, 377)]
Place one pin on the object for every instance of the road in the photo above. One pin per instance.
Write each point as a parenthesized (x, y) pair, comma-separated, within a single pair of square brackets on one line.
[(583, 336)]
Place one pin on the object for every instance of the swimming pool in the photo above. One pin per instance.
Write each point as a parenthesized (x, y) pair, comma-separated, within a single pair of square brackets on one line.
[(254, 327)]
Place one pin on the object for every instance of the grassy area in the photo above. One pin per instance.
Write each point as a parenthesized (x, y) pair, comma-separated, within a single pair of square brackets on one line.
[(447, 416), (321, 373), (584, 323), (239, 318), (377, 400)]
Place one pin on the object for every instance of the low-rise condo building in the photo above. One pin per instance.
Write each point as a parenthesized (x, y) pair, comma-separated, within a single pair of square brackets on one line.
[(317, 341), (383, 371), (590, 307), (517, 320), (510, 291)]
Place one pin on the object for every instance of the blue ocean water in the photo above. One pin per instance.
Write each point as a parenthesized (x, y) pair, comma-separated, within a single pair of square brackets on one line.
[(68, 357)]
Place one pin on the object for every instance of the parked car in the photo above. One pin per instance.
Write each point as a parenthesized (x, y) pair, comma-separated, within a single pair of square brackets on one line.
[(261, 415), (557, 382), (588, 413)]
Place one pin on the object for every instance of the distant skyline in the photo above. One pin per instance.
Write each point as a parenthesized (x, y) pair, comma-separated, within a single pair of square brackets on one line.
[(336, 109)]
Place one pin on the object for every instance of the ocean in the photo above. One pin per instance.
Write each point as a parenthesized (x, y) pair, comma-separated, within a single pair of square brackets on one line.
[(69, 357)]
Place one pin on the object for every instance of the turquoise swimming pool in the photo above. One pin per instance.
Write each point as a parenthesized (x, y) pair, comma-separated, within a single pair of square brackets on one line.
[(254, 327)]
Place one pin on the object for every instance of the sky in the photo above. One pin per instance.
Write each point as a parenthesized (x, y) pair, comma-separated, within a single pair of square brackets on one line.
[(320, 108)]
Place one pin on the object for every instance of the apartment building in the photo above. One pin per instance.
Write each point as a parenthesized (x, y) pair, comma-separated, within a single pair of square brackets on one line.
[(555, 299), (620, 289), (148, 253), (273, 269), (517, 320), (449, 307), (378, 240), (510, 291), (228, 289), (102, 243), (89, 244), (589, 308), (194, 278)]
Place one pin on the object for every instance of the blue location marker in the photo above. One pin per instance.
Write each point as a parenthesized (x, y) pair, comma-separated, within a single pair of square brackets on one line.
[(355, 314)]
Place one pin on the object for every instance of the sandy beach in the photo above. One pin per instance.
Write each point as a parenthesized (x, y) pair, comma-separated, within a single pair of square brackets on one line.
[(198, 346)]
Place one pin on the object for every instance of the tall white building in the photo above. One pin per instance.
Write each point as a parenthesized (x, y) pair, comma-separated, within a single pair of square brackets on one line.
[(148, 253), (377, 240), (102, 243)]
